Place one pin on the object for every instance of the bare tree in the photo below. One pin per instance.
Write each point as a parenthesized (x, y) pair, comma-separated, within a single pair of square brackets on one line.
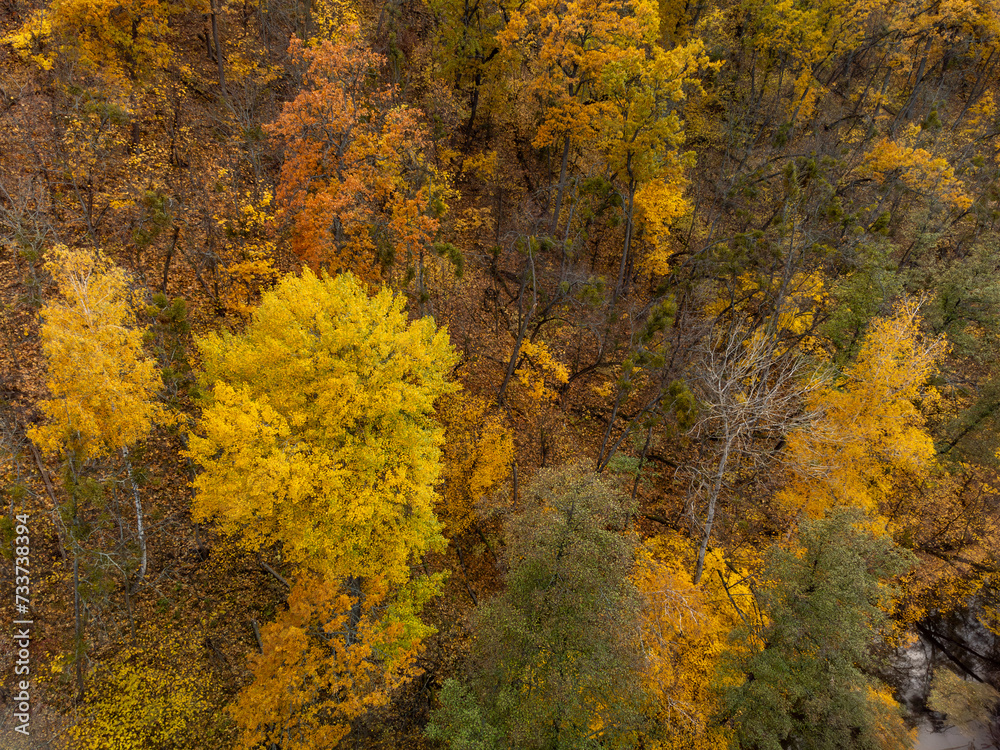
[(751, 390)]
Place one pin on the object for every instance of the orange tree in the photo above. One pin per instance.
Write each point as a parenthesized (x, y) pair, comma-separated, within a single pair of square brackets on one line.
[(358, 183)]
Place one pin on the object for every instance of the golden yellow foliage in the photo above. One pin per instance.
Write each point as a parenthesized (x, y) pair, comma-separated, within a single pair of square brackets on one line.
[(683, 631), (249, 252), (329, 658), (917, 168), (103, 387), (118, 40), (537, 364), (318, 430), (318, 434), (796, 302), (868, 427), (478, 451)]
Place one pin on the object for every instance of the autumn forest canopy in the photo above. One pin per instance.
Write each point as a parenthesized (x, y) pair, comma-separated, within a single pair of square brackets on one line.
[(500, 374)]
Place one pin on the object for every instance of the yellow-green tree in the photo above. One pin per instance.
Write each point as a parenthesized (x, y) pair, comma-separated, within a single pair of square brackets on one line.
[(318, 434), (640, 134)]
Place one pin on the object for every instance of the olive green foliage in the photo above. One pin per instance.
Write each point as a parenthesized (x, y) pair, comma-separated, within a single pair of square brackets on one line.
[(800, 680), (555, 663)]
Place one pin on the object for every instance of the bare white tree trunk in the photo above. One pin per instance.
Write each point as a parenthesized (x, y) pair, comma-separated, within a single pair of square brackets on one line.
[(138, 514), (750, 390)]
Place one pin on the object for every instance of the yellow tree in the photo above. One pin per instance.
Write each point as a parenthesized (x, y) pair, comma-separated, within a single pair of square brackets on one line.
[(318, 434), (870, 432), (683, 631), (565, 47), (640, 134), (102, 386), (113, 39), (325, 661), (805, 39)]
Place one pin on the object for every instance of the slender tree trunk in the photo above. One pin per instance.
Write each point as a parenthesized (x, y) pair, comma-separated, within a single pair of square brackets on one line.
[(713, 500), (638, 468), (421, 289), (78, 624), (170, 254), (138, 514), (602, 460), (473, 106), (353, 585), (562, 188), (56, 518), (629, 217), (78, 644), (128, 605), (78, 628), (218, 49), (525, 319)]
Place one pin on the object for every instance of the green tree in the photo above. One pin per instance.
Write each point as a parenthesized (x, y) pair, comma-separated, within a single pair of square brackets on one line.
[(555, 662), (799, 679)]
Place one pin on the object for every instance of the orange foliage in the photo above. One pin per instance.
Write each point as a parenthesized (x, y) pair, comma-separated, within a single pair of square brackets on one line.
[(326, 660), (358, 184)]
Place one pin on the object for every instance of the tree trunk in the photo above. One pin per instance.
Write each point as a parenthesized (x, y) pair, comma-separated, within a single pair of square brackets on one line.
[(562, 188), (170, 254), (629, 217), (218, 49), (138, 514), (473, 106), (713, 500), (78, 629), (353, 586), (525, 319)]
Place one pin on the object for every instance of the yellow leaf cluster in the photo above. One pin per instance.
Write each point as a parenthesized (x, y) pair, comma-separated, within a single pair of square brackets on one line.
[(918, 169), (119, 40), (800, 299), (539, 364), (869, 427), (478, 451), (249, 252), (29, 40), (92, 329), (660, 202)]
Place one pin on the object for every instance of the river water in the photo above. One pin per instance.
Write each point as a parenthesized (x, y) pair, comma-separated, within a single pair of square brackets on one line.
[(951, 738), (942, 646)]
